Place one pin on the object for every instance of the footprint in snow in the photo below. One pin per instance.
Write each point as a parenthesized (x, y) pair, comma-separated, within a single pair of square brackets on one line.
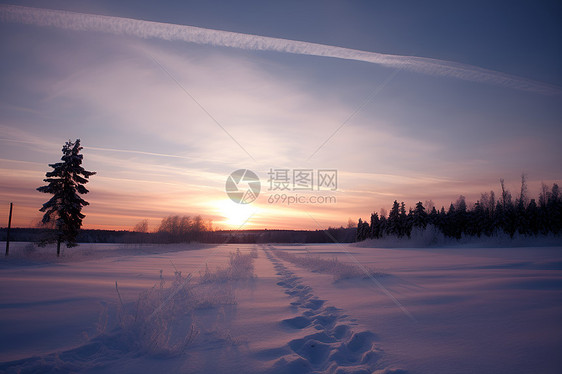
[(332, 346)]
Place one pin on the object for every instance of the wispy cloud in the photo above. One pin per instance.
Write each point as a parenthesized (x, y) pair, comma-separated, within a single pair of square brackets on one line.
[(191, 34)]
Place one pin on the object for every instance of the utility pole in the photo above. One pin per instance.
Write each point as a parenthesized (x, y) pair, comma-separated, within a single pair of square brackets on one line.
[(8, 232)]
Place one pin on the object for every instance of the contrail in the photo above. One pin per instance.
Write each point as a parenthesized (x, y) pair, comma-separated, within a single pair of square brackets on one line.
[(166, 31), (52, 145)]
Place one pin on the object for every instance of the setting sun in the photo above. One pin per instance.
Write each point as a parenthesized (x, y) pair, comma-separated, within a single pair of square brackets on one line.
[(234, 214)]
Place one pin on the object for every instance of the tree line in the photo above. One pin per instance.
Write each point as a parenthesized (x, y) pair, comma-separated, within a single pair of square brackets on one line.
[(488, 216), (177, 229)]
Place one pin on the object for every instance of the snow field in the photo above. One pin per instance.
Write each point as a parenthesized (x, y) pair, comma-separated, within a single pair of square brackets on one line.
[(250, 309)]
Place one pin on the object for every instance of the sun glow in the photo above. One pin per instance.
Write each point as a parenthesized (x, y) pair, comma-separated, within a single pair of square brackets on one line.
[(235, 215)]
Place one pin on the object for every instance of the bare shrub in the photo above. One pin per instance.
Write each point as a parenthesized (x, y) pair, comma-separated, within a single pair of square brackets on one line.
[(162, 322)]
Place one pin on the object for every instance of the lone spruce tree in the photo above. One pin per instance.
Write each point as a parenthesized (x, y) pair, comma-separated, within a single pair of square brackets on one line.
[(66, 183)]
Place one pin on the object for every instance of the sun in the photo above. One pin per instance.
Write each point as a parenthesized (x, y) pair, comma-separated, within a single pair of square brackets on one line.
[(235, 214)]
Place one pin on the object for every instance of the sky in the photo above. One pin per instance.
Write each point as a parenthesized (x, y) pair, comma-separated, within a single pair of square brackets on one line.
[(404, 101)]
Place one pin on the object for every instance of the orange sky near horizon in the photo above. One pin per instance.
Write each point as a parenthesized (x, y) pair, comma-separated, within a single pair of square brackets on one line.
[(120, 203)]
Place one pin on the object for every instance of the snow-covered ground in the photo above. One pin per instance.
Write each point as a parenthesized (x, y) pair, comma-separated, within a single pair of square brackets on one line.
[(439, 310)]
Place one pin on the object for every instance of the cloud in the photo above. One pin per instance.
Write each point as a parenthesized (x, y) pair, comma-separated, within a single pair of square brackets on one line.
[(276, 118), (165, 31)]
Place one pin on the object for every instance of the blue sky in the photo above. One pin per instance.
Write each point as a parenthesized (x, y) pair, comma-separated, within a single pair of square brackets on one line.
[(414, 134)]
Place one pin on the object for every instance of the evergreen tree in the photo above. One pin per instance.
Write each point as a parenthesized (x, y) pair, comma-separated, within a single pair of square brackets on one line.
[(499, 217), (490, 210), (382, 226), (360, 231), (66, 184), (524, 195), (477, 220), (366, 230), (492, 203), (419, 216), (432, 218), (375, 226), (521, 208), (506, 195), (554, 209), (544, 197), (393, 223), (533, 218), (451, 227), (511, 222), (404, 227), (461, 218), (440, 219)]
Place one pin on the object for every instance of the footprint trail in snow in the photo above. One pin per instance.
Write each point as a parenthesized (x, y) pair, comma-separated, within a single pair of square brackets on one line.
[(332, 346)]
